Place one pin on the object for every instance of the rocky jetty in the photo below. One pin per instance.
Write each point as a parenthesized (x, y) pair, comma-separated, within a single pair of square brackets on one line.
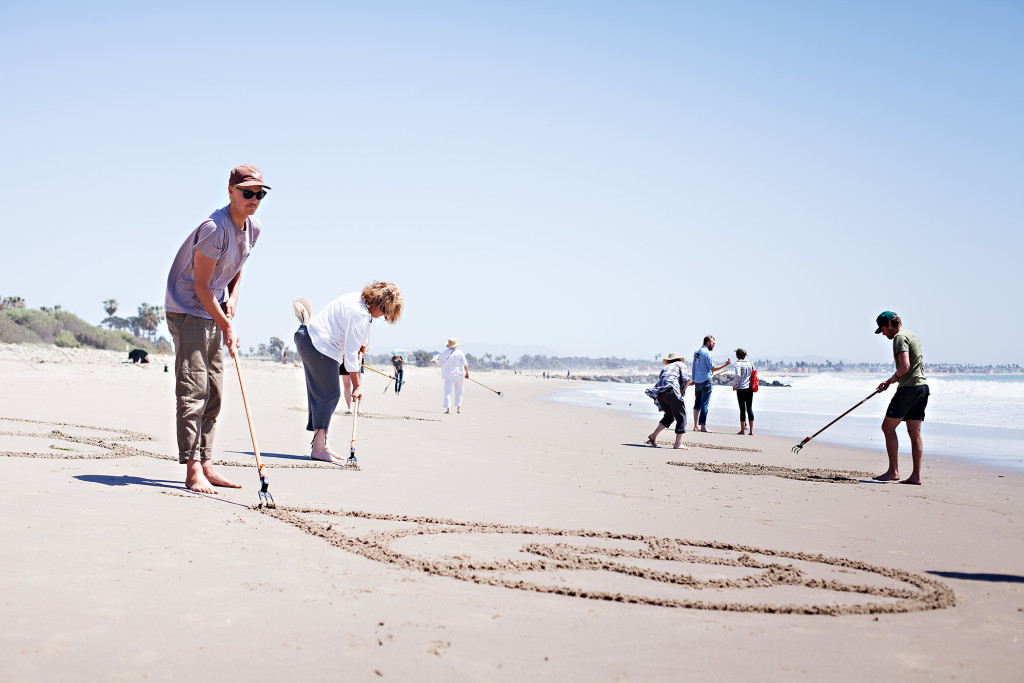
[(721, 380)]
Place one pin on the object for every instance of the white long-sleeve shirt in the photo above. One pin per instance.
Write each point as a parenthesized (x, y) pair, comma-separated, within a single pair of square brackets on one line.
[(452, 362), (341, 328)]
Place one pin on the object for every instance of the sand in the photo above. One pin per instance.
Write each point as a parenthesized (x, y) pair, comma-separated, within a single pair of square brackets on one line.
[(522, 539)]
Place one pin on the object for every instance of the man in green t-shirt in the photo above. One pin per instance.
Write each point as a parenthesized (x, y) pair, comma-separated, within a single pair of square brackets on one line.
[(911, 396)]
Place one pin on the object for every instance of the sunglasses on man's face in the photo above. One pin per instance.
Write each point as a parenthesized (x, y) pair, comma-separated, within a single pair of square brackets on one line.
[(249, 194)]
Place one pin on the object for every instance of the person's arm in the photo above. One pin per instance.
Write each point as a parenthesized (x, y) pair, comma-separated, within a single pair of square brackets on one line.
[(902, 368), (204, 267), (719, 367), (231, 304)]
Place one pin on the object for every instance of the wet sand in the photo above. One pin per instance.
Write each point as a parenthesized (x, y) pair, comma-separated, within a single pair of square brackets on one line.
[(520, 539)]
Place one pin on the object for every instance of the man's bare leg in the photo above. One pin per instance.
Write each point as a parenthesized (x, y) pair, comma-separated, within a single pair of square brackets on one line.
[(321, 451), (652, 438), (195, 479), (679, 442), (696, 414), (916, 451), (216, 479), (743, 428), (751, 431), (892, 446)]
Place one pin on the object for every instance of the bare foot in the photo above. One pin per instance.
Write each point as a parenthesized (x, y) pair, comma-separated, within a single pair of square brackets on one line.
[(702, 429), (446, 411), (741, 432), (751, 432), (195, 480), (326, 455), (911, 480), (459, 409), (681, 447), (216, 479), (651, 441), (887, 476)]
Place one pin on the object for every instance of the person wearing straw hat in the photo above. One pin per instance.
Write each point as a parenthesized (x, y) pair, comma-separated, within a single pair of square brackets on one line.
[(741, 384), (910, 400), (454, 371), (200, 304), (669, 392), (329, 343)]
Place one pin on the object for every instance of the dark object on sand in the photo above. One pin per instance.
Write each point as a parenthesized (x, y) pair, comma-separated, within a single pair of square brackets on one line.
[(138, 356), (266, 500), (796, 448)]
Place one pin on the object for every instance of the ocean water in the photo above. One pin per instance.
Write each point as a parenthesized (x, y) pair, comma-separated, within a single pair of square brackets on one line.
[(979, 418)]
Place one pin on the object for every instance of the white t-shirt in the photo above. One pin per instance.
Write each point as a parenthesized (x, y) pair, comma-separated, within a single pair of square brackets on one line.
[(341, 328), (452, 362)]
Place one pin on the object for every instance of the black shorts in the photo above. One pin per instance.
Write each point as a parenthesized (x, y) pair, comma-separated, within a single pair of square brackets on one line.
[(343, 371), (909, 403)]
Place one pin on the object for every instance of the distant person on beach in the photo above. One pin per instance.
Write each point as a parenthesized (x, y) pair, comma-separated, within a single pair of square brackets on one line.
[(669, 390), (398, 363), (703, 370), (330, 345), (201, 300), (138, 356), (454, 372), (741, 384), (910, 400)]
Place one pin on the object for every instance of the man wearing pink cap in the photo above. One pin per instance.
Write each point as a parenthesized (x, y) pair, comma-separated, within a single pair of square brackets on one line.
[(202, 296)]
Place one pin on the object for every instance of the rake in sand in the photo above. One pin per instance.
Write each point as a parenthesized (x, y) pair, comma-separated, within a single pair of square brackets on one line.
[(266, 500), (484, 386), (796, 448), (352, 447)]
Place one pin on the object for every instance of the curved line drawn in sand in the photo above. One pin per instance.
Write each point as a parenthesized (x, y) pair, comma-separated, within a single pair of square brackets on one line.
[(377, 416), (753, 469), (629, 568), (108, 443), (711, 446)]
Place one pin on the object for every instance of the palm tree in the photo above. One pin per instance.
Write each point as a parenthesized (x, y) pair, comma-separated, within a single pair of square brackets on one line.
[(12, 302), (150, 318)]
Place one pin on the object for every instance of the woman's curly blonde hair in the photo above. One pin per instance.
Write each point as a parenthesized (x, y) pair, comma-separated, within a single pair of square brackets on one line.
[(386, 296)]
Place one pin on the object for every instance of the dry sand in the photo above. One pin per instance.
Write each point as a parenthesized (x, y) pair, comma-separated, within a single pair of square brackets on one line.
[(522, 539)]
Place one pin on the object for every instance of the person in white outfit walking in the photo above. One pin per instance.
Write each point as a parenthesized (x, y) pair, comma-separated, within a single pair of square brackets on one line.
[(455, 372)]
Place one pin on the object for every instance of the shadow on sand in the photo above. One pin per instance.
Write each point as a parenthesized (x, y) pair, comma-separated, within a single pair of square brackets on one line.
[(128, 480), (967, 576)]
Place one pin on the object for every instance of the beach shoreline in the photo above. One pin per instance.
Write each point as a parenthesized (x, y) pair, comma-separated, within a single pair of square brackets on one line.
[(435, 558)]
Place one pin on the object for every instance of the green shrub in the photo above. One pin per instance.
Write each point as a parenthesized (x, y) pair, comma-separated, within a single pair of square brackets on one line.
[(13, 333), (21, 325), (66, 340)]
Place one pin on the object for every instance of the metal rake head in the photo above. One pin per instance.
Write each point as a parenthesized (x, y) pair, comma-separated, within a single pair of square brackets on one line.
[(266, 500), (796, 448)]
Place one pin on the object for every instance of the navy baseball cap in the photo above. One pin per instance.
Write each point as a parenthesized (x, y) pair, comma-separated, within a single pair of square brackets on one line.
[(883, 319)]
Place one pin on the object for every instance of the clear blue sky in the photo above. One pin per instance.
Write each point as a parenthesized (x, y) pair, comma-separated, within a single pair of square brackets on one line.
[(593, 178)]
